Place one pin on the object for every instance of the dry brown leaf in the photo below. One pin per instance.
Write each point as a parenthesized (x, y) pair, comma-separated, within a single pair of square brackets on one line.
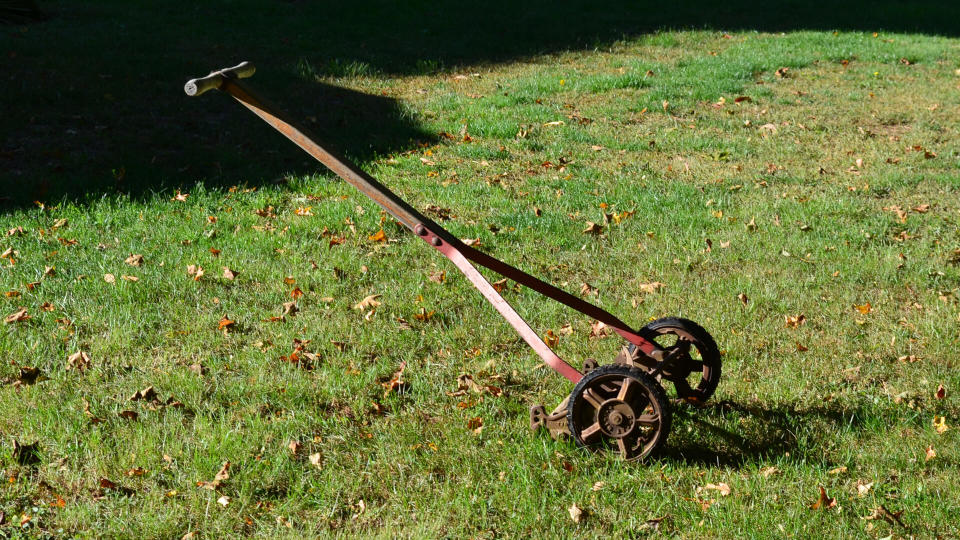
[(222, 476), (721, 487), (316, 460), (930, 453), (941, 392), (132, 279), (128, 415), (11, 294), (593, 228), (566, 330), (823, 502), (743, 298), (769, 471), (576, 514), (551, 339), (368, 302), (652, 287), (78, 361), (228, 273), (134, 260), (109, 278), (599, 330), (588, 290), (864, 309), (181, 197), (475, 424), (290, 308), (500, 285), (940, 424), (18, 316), (296, 293), (863, 488), (838, 470), (439, 276), (795, 321)]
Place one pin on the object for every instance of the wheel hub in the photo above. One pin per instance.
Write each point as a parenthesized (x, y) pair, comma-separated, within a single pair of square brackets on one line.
[(616, 418)]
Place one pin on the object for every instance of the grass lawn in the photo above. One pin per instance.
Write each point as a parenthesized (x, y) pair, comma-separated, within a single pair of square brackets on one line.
[(796, 192)]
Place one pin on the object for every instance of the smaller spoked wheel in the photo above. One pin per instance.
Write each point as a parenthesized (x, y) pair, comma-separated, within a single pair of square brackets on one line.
[(695, 367), (620, 409)]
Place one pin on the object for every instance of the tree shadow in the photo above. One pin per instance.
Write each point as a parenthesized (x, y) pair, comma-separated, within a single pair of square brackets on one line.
[(93, 106)]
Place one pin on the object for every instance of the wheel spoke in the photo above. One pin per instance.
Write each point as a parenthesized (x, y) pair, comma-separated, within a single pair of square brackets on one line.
[(683, 387), (591, 432), (591, 397), (626, 388), (626, 447)]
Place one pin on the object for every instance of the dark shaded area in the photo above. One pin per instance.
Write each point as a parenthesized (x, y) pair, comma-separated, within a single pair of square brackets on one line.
[(91, 100), (759, 432)]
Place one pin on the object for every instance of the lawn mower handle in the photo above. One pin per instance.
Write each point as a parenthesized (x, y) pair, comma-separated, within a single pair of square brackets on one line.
[(195, 87)]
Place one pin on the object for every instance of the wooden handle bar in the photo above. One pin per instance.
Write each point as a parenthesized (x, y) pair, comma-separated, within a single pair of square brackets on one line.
[(195, 87)]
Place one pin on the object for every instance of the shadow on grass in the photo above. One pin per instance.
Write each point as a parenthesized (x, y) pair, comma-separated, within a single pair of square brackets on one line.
[(730, 434), (94, 105)]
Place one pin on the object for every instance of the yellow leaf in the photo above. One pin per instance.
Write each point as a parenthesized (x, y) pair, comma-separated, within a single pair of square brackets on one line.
[(551, 339), (368, 302), (864, 309)]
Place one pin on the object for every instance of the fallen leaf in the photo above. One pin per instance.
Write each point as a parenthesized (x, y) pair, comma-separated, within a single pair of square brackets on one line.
[(134, 260), (109, 278), (599, 330), (379, 236), (47, 306), (863, 488), (500, 285), (294, 447), (196, 271), (593, 228), (78, 361), (551, 339), (368, 302), (222, 476), (181, 197), (50, 271), (128, 415), (439, 276), (316, 460), (838, 470), (228, 273), (940, 424), (941, 392), (290, 308), (767, 472), (18, 316), (588, 290), (28, 375), (782, 72), (823, 502), (743, 298), (225, 323), (11, 294), (303, 211), (132, 279), (751, 225), (223, 500), (652, 287), (567, 329), (147, 394), (136, 471), (795, 321), (721, 487), (864, 309), (921, 209), (475, 424), (576, 514), (297, 293), (930, 453)]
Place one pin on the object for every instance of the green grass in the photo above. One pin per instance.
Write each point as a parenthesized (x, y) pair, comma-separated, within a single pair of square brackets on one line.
[(847, 398)]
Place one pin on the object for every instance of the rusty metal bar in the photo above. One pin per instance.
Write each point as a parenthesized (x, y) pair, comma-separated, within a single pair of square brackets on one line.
[(459, 253)]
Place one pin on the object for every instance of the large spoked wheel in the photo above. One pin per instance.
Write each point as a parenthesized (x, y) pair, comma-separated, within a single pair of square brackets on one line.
[(620, 409), (695, 368)]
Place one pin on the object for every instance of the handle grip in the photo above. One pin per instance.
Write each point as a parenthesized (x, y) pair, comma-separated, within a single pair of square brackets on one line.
[(195, 87)]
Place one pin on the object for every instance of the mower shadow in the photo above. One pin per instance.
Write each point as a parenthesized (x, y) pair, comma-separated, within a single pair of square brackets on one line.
[(730, 434)]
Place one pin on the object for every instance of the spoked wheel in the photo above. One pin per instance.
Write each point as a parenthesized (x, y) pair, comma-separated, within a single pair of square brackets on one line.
[(621, 409), (695, 369)]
